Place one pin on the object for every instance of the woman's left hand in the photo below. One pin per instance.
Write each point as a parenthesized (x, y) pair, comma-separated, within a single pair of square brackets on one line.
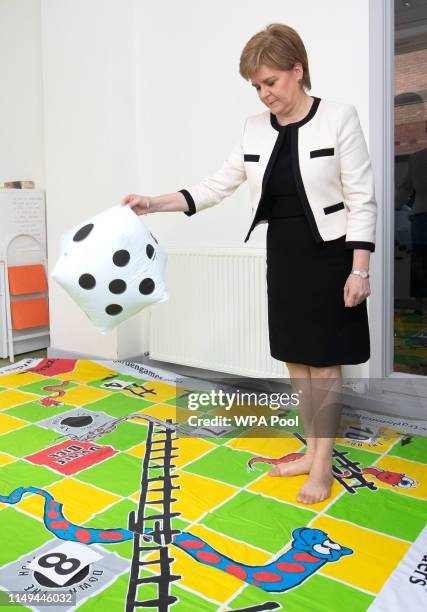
[(356, 290)]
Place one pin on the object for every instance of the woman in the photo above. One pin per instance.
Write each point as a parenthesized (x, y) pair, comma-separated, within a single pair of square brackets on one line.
[(309, 176)]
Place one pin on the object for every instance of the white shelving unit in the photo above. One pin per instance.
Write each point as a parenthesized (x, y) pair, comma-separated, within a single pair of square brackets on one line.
[(22, 242)]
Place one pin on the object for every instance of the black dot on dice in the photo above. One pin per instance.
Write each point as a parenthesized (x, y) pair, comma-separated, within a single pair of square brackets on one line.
[(149, 250), (146, 286), (83, 232), (87, 281), (121, 258), (78, 421), (113, 309), (117, 286)]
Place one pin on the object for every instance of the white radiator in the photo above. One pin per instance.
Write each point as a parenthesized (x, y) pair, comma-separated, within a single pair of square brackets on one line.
[(216, 316)]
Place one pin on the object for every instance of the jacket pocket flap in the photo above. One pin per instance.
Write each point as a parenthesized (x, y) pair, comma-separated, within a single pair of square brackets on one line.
[(322, 152), (333, 208), (251, 158)]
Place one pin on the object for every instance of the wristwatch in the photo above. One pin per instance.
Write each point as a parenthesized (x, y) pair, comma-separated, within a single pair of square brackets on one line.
[(361, 273)]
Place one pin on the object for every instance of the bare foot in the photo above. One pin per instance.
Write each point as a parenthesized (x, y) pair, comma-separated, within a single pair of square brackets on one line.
[(293, 468), (317, 487)]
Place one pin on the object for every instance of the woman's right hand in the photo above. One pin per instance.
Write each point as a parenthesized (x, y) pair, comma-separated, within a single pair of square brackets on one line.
[(140, 204)]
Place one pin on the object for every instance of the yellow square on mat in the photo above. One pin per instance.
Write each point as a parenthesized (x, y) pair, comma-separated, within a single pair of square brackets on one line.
[(5, 459), (19, 379), (196, 496), (78, 396), (270, 446), (14, 398), (286, 489), (9, 423), (138, 451), (86, 371), (374, 556), (160, 392), (209, 581), (206, 581), (410, 477), (80, 501), (236, 550), (190, 449)]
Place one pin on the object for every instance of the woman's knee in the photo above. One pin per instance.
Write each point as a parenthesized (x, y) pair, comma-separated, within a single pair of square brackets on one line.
[(331, 372), (298, 370)]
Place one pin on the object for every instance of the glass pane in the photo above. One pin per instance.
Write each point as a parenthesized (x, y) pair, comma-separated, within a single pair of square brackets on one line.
[(410, 239)]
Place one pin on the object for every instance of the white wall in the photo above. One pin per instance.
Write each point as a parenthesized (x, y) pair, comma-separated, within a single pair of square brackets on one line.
[(21, 125), (192, 100), (146, 97), (89, 116)]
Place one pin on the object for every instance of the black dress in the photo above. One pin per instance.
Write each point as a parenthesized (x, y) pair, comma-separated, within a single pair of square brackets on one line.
[(308, 321)]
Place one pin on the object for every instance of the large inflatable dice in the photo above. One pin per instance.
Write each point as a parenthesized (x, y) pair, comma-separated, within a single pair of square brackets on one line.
[(112, 267)]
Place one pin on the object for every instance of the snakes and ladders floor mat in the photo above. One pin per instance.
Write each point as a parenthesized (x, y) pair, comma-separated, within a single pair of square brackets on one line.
[(103, 506)]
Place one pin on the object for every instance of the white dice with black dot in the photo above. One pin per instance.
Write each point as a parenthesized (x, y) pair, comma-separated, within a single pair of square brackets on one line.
[(112, 267)]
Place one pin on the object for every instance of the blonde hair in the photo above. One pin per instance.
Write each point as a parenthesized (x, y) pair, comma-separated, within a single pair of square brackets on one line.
[(277, 46)]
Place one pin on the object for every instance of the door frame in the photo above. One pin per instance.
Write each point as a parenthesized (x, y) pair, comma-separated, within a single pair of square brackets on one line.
[(381, 144)]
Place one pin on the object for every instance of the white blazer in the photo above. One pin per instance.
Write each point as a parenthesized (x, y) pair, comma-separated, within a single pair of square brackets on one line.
[(332, 171)]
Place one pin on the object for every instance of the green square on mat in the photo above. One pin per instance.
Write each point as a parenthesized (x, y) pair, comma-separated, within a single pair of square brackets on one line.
[(111, 598), (226, 465), (315, 594), (34, 411), (415, 450), (118, 405), (125, 436), (117, 517), (113, 518), (121, 474), (21, 534), (37, 387), (241, 517), (99, 384), (23, 474), (384, 511), (27, 440)]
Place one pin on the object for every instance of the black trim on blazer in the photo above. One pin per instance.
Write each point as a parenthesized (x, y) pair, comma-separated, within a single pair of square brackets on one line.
[(276, 125), (300, 186), (333, 208), (322, 152), (250, 158), (189, 199), (258, 215), (294, 155), (367, 246)]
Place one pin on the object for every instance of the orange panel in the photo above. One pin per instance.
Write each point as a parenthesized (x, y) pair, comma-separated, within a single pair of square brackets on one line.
[(27, 279), (30, 313)]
